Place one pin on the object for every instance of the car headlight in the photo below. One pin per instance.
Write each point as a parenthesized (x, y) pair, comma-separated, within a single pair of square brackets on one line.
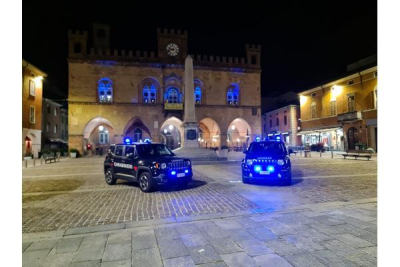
[(163, 165), (281, 162), (249, 162), (188, 163)]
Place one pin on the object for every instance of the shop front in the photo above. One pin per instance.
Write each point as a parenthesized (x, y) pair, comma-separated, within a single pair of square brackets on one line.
[(330, 138)]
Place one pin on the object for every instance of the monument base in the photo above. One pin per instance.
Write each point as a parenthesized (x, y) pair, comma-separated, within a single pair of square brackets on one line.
[(190, 132), (197, 154)]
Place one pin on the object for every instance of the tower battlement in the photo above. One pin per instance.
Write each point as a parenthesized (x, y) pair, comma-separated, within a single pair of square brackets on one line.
[(165, 31)]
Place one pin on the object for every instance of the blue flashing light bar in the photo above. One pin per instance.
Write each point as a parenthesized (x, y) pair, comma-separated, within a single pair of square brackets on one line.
[(271, 168), (258, 139), (173, 172), (257, 168), (186, 171), (127, 141), (278, 138)]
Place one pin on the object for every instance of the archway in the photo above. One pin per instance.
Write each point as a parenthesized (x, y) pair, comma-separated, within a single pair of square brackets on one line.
[(136, 130), (172, 133), (210, 133), (98, 134), (239, 134), (353, 138), (28, 146)]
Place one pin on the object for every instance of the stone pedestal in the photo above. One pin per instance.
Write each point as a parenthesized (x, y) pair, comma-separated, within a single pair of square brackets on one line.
[(190, 134)]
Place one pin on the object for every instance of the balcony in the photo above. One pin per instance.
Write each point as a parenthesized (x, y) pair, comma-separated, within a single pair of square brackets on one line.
[(173, 106), (350, 116)]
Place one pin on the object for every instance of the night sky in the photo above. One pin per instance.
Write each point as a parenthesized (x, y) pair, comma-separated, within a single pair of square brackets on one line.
[(304, 43)]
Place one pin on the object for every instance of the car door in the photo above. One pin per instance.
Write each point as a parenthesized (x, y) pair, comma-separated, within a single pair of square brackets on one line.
[(129, 160), (119, 160)]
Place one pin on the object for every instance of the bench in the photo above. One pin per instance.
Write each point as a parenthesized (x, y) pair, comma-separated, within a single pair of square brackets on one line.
[(358, 154), (50, 158)]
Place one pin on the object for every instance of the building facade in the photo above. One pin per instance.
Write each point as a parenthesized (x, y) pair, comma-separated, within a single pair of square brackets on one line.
[(342, 114), (32, 91), (53, 125), (115, 94), (283, 122)]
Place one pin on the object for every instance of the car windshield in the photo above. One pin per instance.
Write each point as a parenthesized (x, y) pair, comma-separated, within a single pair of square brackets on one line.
[(153, 150), (267, 148)]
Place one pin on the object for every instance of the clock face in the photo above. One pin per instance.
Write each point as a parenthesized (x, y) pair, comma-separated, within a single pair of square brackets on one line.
[(172, 49)]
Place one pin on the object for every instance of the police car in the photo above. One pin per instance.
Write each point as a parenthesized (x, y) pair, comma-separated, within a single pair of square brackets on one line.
[(267, 161), (146, 163)]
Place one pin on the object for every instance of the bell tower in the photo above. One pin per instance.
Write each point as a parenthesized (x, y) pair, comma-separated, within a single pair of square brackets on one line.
[(172, 45)]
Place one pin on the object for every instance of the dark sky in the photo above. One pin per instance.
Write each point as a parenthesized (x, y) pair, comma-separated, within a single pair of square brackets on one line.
[(304, 43)]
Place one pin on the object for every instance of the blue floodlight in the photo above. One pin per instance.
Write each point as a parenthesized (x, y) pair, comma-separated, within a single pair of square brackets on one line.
[(173, 172), (257, 168), (271, 168)]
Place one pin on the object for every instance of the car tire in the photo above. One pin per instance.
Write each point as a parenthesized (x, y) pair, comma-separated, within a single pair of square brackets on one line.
[(245, 180), (146, 182), (110, 177)]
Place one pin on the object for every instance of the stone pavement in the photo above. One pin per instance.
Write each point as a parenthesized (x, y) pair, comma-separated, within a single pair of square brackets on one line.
[(326, 218)]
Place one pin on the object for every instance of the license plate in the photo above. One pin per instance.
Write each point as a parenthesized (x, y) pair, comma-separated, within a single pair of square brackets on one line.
[(181, 175), (264, 172)]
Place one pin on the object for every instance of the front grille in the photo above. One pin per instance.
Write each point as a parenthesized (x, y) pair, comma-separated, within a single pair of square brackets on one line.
[(178, 165), (266, 161)]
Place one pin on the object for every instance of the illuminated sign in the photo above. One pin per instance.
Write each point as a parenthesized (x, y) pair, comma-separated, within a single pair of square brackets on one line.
[(173, 106)]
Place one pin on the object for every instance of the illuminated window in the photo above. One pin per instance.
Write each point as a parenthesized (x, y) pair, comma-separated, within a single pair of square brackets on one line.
[(350, 103), (232, 95), (55, 111), (333, 107), (313, 110), (197, 95), (105, 90), (32, 88), (55, 128), (149, 94), (173, 95), (32, 116), (103, 137)]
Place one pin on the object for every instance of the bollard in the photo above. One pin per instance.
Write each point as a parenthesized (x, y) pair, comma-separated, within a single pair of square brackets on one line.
[(41, 161), (26, 163), (320, 154), (332, 154), (34, 162)]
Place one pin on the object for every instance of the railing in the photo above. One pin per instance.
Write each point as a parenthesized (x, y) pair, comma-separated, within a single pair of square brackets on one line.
[(173, 106), (350, 116)]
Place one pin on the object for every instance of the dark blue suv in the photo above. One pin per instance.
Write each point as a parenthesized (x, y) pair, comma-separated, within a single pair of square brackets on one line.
[(266, 161)]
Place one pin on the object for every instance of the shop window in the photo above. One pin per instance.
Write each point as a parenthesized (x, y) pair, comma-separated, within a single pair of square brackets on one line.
[(350, 103), (32, 89), (32, 116), (103, 138), (313, 110), (105, 90), (333, 107)]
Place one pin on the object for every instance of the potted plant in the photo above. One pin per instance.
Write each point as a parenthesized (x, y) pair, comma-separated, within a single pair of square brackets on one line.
[(73, 152)]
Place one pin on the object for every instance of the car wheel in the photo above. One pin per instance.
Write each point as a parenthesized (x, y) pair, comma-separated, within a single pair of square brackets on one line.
[(109, 177), (245, 180), (146, 182)]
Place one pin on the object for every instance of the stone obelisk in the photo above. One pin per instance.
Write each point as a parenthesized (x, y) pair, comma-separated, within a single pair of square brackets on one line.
[(190, 124)]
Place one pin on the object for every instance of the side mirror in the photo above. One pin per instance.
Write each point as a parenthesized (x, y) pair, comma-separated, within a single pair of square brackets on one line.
[(244, 151)]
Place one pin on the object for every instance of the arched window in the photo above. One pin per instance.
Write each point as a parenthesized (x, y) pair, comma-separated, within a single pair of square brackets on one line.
[(137, 135), (105, 90), (173, 95), (197, 95), (232, 95), (149, 92)]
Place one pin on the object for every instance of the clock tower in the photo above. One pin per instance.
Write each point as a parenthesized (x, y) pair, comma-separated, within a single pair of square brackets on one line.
[(172, 45)]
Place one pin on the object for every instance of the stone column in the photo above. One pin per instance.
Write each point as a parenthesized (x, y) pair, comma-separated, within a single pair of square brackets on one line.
[(190, 124)]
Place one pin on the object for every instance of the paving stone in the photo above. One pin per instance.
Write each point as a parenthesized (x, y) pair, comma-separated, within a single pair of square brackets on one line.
[(311, 233), (238, 259), (356, 222), (363, 259), (172, 249), (166, 233), (340, 248), (262, 233), (117, 252), (373, 251), (34, 257), (25, 245), (254, 247), (94, 263), (93, 229), (303, 260), (329, 258), (260, 218), (327, 220), (281, 248), (371, 238), (144, 241), (213, 264), (179, 262), (123, 263), (240, 234), (68, 245), (146, 258), (225, 246), (186, 228), (204, 254), (45, 244), (338, 229), (271, 260), (193, 240), (352, 240), (59, 260), (214, 232), (247, 222), (91, 249), (281, 229), (227, 224), (302, 243), (373, 229)]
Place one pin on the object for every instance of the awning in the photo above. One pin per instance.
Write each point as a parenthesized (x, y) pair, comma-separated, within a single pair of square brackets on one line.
[(318, 131)]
